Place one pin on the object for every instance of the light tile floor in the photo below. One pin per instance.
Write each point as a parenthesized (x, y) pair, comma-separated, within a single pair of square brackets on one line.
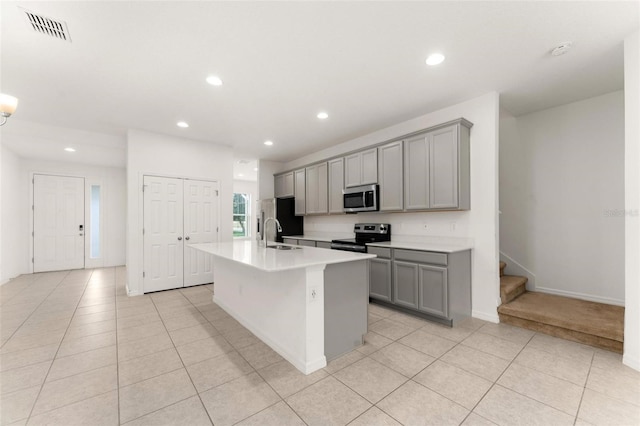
[(76, 350)]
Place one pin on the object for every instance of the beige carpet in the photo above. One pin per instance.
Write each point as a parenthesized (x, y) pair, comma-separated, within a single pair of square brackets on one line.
[(592, 323)]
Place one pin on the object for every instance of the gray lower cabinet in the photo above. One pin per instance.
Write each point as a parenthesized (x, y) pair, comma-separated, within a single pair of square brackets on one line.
[(405, 278), (307, 243), (432, 290), (380, 279), (323, 244), (433, 284)]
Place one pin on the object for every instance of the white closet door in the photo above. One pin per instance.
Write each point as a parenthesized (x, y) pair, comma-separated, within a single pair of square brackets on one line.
[(58, 223), (163, 233), (200, 226)]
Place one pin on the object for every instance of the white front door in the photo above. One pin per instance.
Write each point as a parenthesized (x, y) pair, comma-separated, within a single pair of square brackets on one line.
[(58, 223), (163, 233), (200, 226)]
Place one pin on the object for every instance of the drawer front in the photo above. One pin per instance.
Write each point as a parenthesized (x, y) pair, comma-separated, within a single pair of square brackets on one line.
[(306, 243), (380, 252), (430, 257), (323, 244)]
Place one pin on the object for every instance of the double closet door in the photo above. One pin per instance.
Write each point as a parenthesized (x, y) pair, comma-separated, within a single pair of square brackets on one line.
[(178, 212)]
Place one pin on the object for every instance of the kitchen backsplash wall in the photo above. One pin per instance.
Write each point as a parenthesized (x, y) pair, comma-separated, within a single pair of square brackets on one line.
[(404, 226)]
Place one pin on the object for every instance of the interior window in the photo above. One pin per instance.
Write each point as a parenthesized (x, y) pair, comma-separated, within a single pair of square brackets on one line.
[(241, 215)]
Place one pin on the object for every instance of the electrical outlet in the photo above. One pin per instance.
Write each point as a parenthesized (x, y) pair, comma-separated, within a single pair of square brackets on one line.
[(425, 227), (453, 226)]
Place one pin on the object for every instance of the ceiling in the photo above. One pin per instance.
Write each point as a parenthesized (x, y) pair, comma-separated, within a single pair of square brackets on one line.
[(142, 65)]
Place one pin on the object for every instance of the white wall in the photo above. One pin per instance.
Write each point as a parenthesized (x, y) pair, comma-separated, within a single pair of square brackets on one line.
[(17, 223), (266, 170), (14, 252), (480, 224), (113, 194), (631, 355), (562, 197), (251, 188), (161, 155)]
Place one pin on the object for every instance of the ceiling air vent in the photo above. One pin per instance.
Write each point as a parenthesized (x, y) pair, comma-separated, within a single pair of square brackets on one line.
[(48, 26)]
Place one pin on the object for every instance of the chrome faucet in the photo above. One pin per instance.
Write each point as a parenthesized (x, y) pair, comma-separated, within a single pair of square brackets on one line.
[(264, 240)]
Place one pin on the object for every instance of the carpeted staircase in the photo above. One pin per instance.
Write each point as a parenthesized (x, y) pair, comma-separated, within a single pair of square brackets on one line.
[(591, 323)]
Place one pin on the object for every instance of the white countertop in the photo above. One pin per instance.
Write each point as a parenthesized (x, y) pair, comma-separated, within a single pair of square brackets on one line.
[(442, 247), (270, 260)]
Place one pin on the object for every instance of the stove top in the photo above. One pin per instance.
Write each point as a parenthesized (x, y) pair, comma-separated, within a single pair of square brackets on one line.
[(365, 233)]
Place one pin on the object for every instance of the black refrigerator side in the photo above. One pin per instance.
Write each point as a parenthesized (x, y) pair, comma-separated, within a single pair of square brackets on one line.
[(290, 223)]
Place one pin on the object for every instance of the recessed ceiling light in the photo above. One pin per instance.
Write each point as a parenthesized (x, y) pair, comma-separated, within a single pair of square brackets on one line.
[(70, 149), (268, 143), (435, 59), (240, 175), (182, 124), (323, 115), (255, 169), (214, 80)]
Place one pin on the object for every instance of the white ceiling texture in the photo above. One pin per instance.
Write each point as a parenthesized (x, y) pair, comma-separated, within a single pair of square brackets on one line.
[(143, 65)]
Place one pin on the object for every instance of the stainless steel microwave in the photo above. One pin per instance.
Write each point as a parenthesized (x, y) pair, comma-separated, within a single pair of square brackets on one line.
[(360, 199)]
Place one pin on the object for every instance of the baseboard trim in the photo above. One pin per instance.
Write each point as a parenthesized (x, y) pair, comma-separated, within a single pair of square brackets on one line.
[(4, 282), (515, 268), (631, 361), (485, 316), (581, 296)]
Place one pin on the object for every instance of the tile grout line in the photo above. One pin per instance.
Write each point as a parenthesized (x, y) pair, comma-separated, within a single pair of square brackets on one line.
[(59, 345), (495, 382), (255, 370), (34, 309), (584, 389), (181, 360)]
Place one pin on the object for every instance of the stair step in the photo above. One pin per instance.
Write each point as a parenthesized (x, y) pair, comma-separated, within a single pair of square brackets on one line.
[(502, 266), (512, 286), (591, 323)]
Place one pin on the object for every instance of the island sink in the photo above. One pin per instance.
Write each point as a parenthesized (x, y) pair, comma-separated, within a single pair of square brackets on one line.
[(283, 247)]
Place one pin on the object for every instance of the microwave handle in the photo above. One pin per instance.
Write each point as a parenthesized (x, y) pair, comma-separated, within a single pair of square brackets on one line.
[(364, 198)]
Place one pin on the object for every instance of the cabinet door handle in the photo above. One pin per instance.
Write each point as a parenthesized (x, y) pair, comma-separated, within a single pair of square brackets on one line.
[(179, 238), (187, 238)]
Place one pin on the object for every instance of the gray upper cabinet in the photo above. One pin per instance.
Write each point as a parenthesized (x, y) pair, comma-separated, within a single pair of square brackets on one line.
[(361, 168), (436, 169), (300, 192), (416, 189), (283, 185), (336, 185), (443, 168), (390, 176), (317, 189)]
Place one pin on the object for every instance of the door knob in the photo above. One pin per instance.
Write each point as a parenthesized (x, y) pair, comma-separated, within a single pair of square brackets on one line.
[(179, 238), (187, 238)]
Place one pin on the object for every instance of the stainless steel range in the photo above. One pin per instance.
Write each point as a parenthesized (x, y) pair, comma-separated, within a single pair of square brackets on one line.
[(365, 233)]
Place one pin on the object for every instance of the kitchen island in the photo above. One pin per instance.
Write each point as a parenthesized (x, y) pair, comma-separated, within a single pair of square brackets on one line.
[(308, 304)]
